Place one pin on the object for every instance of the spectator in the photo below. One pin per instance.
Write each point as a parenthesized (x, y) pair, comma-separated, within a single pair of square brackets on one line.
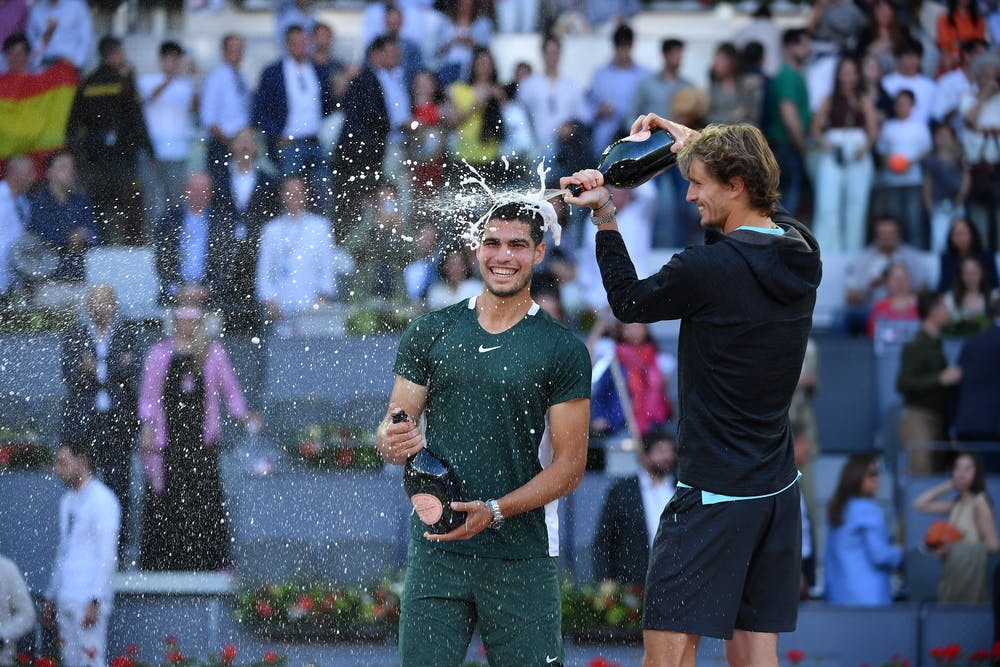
[(801, 415), (980, 108), (612, 91), (645, 371), (787, 117), (245, 199), (624, 535), (380, 258), (803, 448), (970, 298), (411, 55), (960, 23), (322, 52), (908, 76), (291, 102), (16, 56), (900, 301), (298, 265), (925, 382), (62, 216), (99, 365), (977, 411), (17, 611), (61, 30), (655, 94), (606, 17), (186, 379), (188, 247), (946, 184), (964, 241), (422, 272), (457, 281), (732, 97), (80, 596), (466, 27), (871, 76), (474, 110), (416, 27), (834, 29), (375, 106), (13, 21), (902, 145), (168, 102), (884, 34), (763, 30), (517, 15), (106, 132), (15, 214), (224, 104), (554, 102), (954, 84), (859, 554), (608, 392), (426, 136), (845, 126), (963, 566)]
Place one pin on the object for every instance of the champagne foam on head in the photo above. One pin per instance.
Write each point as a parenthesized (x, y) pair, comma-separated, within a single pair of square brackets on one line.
[(535, 201)]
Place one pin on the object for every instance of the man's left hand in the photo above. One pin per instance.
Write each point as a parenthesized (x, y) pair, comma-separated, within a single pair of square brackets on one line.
[(478, 518), (90, 617)]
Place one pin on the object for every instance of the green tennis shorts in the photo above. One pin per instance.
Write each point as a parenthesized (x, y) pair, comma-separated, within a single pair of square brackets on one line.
[(514, 602)]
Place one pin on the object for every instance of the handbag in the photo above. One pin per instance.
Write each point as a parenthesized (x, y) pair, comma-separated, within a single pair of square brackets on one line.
[(984, 176)]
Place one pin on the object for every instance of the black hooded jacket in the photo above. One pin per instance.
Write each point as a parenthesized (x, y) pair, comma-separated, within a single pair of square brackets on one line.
[(745, 301)]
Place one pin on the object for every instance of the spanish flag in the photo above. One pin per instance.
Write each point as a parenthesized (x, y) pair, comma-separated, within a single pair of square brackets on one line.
[(34, 108)]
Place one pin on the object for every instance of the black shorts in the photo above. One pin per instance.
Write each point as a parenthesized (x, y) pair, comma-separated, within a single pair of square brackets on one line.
[(727, 566)]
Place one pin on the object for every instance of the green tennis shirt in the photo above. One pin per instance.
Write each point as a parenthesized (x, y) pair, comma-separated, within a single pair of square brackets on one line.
[(487, 395)]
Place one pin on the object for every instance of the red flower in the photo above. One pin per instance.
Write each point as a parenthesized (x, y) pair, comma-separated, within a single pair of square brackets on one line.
[(264, 609), (270, 658), (228, 653), (23, 659), (132, 650), (981, 655), (600, 661), (795, 656), (5, 453), (995, 653), (952, 651), (308, 449), (44, 662), (175, 657), (122, 661), (345, 457), (305, 603)]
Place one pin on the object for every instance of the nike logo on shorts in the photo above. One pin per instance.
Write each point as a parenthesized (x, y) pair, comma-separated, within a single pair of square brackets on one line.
[(489, 349)]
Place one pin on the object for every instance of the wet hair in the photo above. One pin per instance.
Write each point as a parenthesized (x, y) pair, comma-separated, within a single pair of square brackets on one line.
[(926, 302), (848, 486), (107, 46), (14, 40), (737, 151), (79, 448), (525, 214), (171, 48)]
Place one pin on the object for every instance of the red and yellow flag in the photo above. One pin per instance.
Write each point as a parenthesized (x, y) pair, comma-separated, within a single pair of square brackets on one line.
[(34, 109)]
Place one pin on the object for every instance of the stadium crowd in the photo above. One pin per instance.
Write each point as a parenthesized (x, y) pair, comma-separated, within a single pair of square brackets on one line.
[(321, 181)]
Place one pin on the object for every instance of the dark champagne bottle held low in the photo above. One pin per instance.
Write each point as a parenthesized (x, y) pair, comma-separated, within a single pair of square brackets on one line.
[(432, 487), (633, 160)]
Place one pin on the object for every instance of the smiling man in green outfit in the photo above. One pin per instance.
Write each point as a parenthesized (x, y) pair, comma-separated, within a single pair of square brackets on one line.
[(488, 375)]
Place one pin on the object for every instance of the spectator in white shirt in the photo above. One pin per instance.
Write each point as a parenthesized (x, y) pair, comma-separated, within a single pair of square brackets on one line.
[(15, 213), (298, 264), (79, 596), (953, 84), (553, 101), (17, 613), (907, 76), (613, 89), (168, 104), (224, 106), (61, 30)]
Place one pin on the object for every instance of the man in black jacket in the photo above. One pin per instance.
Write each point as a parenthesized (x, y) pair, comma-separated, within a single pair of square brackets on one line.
[(977, 415), (726, 558), (100, 363), (621, 543)]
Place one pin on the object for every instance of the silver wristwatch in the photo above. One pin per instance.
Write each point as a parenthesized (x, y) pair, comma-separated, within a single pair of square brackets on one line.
[(599, 220), (498, 518)]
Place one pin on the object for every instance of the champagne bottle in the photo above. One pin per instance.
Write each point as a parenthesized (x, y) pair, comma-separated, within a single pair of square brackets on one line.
[(432, 487), (633, 160)]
